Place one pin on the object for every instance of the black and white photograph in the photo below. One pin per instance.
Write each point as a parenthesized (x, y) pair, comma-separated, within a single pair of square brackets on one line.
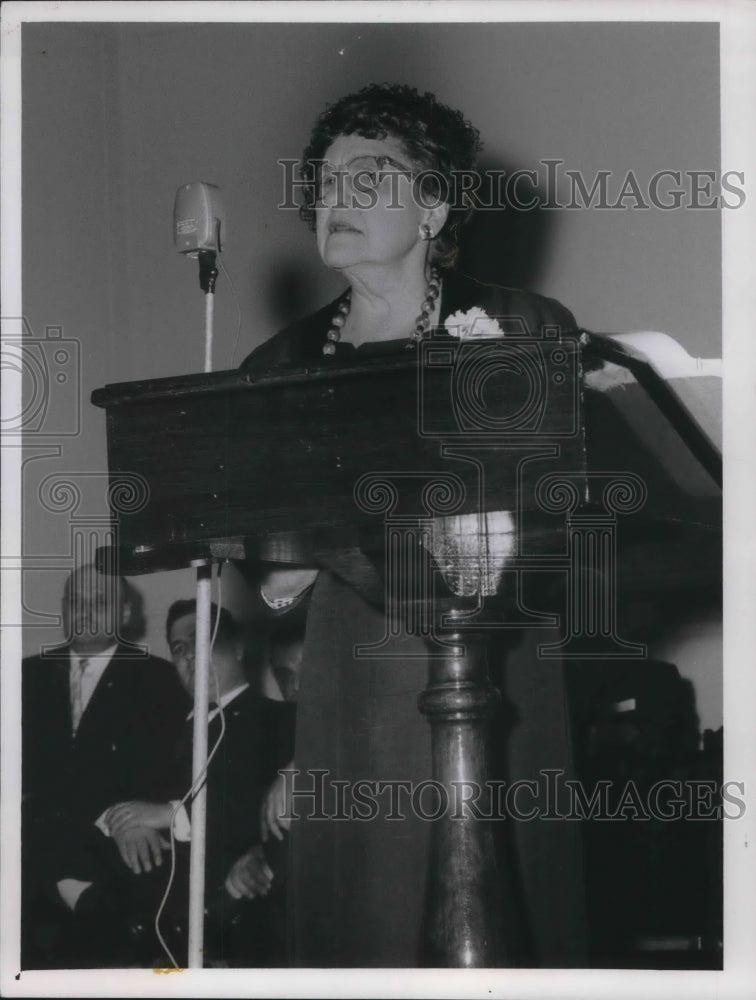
[(377, 542)]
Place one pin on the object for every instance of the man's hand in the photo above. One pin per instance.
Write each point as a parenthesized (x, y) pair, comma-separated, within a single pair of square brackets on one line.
[(250, 875), (140, 848), (129, 815), (275, 812)]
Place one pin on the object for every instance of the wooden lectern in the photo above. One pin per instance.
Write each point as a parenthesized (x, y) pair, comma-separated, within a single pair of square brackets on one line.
[(496, 459)]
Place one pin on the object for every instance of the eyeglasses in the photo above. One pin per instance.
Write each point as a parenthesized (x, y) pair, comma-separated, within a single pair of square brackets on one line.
[(181, 648), (365, 173)]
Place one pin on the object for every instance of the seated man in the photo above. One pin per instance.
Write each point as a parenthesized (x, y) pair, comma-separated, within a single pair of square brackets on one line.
[(97, 713), (256, 736)]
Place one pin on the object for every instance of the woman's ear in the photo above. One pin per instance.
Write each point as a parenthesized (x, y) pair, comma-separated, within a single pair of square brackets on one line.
[(436, 217)]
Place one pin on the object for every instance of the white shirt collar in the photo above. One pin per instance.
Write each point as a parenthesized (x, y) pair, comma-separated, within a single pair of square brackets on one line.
[(225, 700), (102, 659)]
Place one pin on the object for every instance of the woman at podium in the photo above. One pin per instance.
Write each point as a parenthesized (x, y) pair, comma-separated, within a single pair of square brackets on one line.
[(385, 198)]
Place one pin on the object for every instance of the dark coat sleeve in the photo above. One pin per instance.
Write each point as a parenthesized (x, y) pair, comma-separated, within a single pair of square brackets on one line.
[(258, 740), (45, 725)]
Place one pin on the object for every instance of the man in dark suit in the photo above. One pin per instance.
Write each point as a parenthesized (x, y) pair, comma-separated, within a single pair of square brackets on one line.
[(243, 911), (243, 886), (98, 713)]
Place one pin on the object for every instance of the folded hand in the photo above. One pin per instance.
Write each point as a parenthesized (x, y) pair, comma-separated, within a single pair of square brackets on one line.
[(250, 875), (127, 815), (140, 848)]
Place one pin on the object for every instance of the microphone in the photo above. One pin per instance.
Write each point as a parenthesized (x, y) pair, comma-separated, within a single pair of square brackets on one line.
[(199, 218)]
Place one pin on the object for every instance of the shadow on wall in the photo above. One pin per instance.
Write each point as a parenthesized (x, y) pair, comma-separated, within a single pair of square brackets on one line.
[(296, 287), (506, 244)]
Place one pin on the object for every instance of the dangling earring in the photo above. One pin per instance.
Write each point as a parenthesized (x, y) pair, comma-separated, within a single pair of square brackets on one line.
[(425, 231)]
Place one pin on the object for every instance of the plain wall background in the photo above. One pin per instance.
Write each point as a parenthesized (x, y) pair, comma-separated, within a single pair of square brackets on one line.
[(117, 117)]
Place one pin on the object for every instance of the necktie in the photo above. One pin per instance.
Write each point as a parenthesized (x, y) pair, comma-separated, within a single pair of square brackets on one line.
[(77, 701)]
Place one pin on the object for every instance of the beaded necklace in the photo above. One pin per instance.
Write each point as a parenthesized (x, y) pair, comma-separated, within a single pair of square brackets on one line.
[(422, 323)]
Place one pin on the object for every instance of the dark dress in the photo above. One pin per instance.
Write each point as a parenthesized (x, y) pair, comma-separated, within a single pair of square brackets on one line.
[(357, 887)]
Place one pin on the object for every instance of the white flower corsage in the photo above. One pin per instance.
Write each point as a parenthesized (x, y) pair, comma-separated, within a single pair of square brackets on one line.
[(475, 324)]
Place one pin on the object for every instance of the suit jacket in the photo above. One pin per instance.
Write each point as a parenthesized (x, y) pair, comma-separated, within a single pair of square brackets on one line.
[(130, 722), (258, 739)]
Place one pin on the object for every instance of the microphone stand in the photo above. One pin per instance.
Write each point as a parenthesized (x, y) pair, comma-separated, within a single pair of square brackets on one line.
[(208, 274), (195, 945)]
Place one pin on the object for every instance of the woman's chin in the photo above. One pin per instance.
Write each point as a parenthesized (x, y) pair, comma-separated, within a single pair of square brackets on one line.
[(339, 257)]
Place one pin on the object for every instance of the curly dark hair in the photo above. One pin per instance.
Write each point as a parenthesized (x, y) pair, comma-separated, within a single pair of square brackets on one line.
[(435, 137)]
